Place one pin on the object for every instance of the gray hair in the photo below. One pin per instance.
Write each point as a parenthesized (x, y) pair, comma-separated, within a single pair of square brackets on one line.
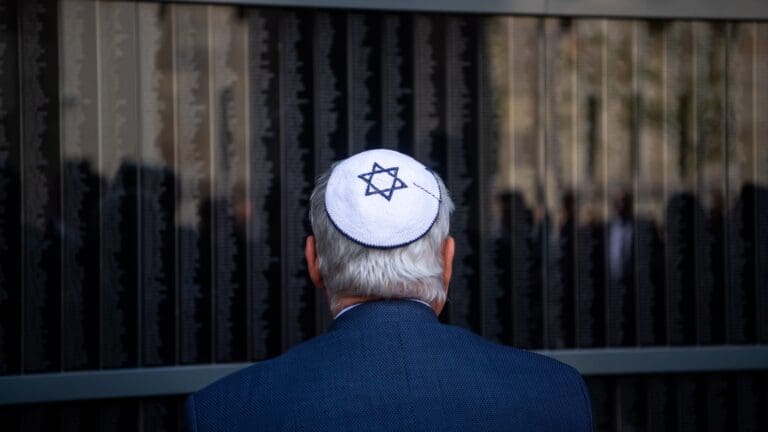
[(351, 269)]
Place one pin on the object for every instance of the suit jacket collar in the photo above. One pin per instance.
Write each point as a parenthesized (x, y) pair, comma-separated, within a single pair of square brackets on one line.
[(403, 311)]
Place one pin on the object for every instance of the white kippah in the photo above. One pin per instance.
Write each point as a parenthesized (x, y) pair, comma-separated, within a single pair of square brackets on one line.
[(382, 198)]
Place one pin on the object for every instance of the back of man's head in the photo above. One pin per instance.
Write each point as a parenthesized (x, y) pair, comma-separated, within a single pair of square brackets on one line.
[(380, 221)]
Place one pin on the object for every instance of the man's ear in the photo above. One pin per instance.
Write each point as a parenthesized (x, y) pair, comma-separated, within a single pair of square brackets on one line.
[(310, 253), (449, 248)]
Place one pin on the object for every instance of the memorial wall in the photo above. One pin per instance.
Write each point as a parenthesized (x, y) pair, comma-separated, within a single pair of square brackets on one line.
[(610, 176)]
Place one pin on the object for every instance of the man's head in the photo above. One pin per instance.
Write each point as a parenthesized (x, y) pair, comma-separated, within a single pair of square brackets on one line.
[(622, 203), (380, 221)]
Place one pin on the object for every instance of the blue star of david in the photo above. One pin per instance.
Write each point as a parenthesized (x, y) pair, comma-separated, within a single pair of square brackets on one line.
[(385, 192)]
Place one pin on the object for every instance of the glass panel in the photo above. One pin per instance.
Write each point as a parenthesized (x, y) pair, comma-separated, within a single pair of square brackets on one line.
[(40, 171), (590, 242), (157, 186), (10, 194), (81, 185)]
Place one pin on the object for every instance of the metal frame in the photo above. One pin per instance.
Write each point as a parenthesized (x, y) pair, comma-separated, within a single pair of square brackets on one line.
[(174, 380), (666, 9)]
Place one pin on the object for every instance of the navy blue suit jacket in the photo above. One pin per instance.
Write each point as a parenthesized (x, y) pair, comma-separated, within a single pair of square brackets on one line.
[(391, 365)]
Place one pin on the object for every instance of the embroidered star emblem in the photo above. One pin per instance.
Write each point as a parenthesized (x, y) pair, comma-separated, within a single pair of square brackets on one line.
[(381, 189)]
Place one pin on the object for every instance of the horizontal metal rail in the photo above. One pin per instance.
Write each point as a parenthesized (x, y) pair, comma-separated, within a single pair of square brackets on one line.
[(668, 9), (173, 380), (625, 361)]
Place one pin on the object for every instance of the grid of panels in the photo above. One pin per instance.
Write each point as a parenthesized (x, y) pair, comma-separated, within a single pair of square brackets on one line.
[(611, 176)]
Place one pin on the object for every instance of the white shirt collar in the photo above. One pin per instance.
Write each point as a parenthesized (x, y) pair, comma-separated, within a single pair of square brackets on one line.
[(358, 304)]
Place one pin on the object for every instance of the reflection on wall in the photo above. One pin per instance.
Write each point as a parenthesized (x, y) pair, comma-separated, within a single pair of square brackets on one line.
[(611, 181)]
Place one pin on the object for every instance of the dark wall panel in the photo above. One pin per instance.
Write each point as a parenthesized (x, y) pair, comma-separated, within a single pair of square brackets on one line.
[(40, 169), (10, 193)]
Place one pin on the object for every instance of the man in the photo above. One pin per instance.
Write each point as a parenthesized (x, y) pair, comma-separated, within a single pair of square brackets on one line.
[(382, 253)]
